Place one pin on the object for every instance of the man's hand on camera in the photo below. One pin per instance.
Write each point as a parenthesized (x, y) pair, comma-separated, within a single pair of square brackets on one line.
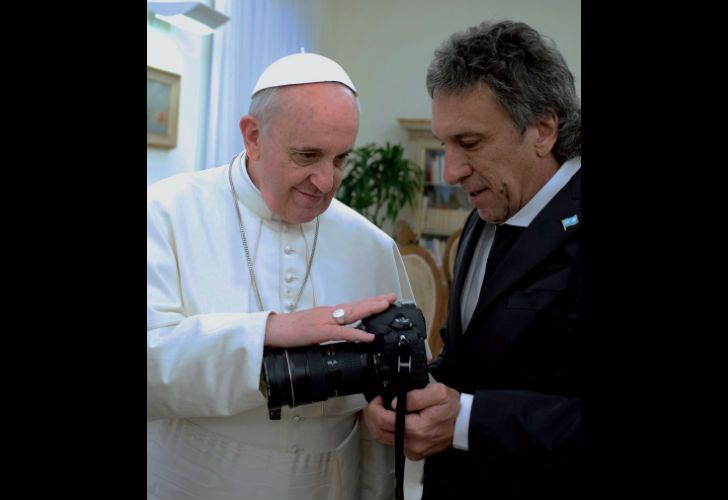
[(427, 431), (317, 325)]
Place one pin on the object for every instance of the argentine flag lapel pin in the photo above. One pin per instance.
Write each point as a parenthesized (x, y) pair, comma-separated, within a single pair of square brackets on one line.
[(570, 221)]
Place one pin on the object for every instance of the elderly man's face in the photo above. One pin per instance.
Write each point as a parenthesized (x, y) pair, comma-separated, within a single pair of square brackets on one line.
[(499, 168), (299, 155)]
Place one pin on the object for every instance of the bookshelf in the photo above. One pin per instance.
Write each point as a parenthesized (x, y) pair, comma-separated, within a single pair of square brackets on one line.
[(442, 208)]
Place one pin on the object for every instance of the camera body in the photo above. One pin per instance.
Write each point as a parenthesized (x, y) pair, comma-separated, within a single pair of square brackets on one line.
[(396, 360)]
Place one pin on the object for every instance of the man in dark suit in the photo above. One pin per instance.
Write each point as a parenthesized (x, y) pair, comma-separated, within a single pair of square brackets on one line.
[(504, 418)]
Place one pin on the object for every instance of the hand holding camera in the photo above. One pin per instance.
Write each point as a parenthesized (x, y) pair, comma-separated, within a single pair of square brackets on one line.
[(430, 425), (394, 361), (317, 325)]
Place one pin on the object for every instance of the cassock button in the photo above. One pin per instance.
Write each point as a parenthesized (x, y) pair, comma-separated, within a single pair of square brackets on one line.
[(296, 418), (289, 250), (290, 306), (289, 277)]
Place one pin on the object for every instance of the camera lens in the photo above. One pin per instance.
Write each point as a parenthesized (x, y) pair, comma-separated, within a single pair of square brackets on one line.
[(309, 374), (347, 365)]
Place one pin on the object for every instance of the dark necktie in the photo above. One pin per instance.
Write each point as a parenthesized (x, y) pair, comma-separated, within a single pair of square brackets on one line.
[(505, 237)]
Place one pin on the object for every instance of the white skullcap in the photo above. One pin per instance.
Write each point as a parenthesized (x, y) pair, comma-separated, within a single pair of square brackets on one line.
[(300, 68)]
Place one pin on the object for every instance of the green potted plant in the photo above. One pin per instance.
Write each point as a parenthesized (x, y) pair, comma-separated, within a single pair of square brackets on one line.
[(380, 181)]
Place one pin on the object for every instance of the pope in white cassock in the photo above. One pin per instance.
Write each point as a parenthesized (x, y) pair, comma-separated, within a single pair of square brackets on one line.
[(256, 254)]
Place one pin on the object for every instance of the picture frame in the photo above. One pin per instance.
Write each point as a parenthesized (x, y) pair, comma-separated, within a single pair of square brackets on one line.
[(163, 89)]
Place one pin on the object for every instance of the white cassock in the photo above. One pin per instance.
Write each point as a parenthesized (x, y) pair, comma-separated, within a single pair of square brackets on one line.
[(209, 436)]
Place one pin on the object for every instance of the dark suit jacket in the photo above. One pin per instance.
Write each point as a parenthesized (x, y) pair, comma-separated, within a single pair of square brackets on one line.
[(521, 359)]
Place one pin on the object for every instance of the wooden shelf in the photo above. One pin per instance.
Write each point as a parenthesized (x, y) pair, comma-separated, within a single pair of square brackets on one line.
[(438, 213)]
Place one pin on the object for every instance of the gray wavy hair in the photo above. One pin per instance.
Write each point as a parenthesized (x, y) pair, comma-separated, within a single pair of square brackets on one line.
[(525, 72)]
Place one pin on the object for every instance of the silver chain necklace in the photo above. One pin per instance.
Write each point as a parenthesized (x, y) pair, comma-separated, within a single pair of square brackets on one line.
[(291, 307)]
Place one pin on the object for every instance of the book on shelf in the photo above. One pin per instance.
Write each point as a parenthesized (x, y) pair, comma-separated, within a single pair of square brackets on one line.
[(444, 221)]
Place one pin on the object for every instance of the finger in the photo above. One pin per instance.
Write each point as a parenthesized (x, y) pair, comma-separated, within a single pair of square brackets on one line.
[(417, 399), (376, 408), (351, 334), (394, 404), (371, 422), (389, 297), (383, 418), (430, 395), (377, 401), (364, 308), (385, 437), (371, 303), (411, 402)]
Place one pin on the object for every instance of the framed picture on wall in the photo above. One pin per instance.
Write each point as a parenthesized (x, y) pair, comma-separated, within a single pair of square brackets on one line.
[(162, 108)]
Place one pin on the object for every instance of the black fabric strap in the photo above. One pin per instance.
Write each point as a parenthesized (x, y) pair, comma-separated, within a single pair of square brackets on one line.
[(399, 443), (404, 368)]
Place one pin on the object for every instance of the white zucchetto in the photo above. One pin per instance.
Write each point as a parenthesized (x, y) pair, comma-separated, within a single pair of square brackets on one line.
[(301, 68)]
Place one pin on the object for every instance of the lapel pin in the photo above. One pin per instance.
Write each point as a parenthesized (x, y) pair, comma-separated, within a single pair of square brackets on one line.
[(570, 221)]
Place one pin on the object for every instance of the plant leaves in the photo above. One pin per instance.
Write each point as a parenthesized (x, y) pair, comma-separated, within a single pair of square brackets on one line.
[(380, 178)]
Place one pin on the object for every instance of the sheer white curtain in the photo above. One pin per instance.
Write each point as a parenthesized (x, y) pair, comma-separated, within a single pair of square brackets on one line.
[(258, 33)]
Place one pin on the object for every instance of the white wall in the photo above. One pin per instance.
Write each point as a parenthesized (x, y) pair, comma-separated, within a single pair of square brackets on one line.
[(386, 46), (185, 54)]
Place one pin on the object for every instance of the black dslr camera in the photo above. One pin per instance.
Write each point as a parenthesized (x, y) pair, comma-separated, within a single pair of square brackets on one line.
[(395, 360)]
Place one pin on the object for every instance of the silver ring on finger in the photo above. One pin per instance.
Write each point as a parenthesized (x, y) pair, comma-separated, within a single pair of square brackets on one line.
[(339, 316)]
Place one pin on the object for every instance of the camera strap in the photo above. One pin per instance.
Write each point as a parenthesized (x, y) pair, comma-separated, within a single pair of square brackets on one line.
[(399, 444), (404, 367)]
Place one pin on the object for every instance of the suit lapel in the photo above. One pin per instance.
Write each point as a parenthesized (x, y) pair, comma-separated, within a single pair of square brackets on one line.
[(473, 226), (544, 235)]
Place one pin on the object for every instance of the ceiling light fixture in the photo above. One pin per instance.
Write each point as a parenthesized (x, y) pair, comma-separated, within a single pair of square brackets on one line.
[(191, 16)]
